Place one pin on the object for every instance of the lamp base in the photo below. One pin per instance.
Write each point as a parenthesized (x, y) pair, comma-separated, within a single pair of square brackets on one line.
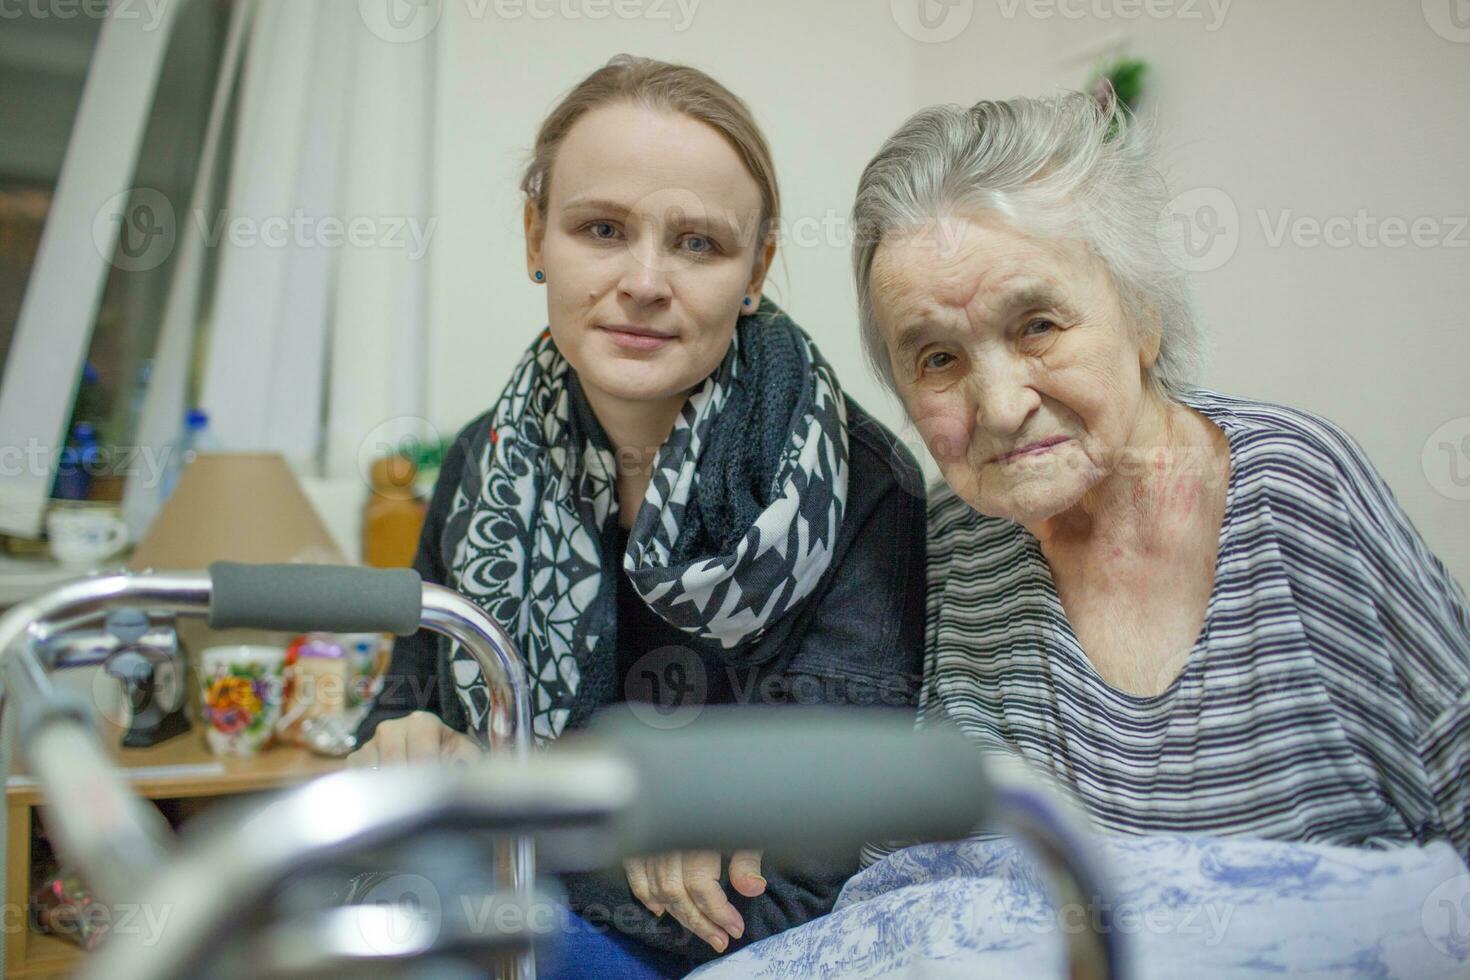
[(147, 731)]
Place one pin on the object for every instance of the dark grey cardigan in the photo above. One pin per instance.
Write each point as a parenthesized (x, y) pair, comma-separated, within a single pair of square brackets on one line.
[(858, 639)]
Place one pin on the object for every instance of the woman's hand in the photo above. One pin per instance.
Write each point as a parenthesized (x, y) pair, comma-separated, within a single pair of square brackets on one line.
[(686, 884), (419, 737)]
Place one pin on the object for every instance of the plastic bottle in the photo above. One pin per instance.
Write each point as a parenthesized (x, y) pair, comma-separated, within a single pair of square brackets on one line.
[(393, 515), (195, 439), (77, 463), (91, 403)]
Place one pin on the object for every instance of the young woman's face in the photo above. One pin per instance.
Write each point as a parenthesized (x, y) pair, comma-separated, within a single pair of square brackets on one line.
[(650, 246)]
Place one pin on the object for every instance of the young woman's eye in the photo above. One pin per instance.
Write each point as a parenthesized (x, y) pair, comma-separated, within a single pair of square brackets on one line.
[(699, 245), (603, 230), (938, 361)]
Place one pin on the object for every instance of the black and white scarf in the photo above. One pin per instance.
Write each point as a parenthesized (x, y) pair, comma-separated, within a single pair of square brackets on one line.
[(737, 527)]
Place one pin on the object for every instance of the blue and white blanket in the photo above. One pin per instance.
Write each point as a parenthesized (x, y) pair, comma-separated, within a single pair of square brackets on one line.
[(1182, 906)]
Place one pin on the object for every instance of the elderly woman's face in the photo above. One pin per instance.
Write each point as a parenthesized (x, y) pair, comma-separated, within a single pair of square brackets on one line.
[(1014, 359)]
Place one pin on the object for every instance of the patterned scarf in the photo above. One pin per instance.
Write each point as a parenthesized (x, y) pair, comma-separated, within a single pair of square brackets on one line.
[(737, 526)]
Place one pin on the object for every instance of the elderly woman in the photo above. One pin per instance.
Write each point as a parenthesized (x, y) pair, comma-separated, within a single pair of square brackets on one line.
[(1206, 616), (1199, 612)]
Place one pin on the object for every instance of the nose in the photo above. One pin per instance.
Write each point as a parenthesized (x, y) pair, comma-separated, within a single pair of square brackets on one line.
[(644, 279), (1003, 397)]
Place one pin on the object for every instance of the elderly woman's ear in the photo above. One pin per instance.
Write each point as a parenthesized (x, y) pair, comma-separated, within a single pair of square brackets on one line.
[(1151, 338)]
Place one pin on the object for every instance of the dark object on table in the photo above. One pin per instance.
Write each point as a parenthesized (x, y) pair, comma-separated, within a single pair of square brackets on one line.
[(152, 670), (146, 659)]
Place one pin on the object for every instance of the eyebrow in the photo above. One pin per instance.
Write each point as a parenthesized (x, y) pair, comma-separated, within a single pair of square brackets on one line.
[(595, 204), (911, 337), (1027, 295), (1033, 295)]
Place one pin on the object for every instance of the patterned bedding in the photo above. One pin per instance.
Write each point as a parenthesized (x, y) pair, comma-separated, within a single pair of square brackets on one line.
[(1183, 906)]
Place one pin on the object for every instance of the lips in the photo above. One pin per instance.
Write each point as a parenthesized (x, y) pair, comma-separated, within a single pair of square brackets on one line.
[(634, 337), (1031, 449), (636, 331)]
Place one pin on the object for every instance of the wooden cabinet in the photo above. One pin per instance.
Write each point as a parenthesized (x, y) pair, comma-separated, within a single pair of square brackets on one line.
[(182, 775)]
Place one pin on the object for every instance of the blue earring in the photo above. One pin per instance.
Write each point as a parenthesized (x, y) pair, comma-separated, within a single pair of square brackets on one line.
[(540, 276), (747, 301)]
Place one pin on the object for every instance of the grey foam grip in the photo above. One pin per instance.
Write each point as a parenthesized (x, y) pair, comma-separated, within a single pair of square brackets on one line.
[(796, 779), (298, 598)]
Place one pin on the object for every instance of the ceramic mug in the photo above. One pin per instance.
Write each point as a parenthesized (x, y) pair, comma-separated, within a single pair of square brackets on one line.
[(85, 537), (240, 697)]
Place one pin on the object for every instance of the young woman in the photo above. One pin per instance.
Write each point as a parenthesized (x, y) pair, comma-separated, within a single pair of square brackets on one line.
[(673, 471)]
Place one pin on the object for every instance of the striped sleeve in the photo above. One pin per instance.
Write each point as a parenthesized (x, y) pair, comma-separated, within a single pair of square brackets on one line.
[(1425, 622)]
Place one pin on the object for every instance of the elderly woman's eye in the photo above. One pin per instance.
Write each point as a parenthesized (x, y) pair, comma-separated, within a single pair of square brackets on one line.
[(1038, 328), (938, 361)]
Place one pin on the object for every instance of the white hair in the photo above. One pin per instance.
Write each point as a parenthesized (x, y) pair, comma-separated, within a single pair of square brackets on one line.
[(1064, 167)]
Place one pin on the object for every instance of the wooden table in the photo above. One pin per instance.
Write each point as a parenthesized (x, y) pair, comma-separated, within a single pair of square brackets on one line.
[(181, 769)]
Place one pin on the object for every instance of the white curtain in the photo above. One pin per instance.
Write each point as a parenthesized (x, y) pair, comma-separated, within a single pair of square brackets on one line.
[(315, 338), (61, 300)]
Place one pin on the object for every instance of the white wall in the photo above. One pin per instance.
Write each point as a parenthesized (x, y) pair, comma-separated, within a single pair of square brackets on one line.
[(1316, 110), (1297, 106), (796, 64)]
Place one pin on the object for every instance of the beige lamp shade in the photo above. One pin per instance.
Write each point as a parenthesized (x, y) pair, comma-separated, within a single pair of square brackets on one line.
[(244, 507)]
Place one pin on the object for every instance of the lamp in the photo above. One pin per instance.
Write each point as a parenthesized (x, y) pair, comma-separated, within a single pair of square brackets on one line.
[(244, 507)]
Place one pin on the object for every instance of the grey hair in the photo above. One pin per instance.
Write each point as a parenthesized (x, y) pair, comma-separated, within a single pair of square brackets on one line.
[(1064, 167)]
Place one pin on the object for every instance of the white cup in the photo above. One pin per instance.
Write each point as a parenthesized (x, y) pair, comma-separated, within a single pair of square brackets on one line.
[(240, 693), (84, 538)]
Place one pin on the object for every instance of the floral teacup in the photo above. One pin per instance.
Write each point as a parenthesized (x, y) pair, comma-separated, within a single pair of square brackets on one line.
[(240, 697)]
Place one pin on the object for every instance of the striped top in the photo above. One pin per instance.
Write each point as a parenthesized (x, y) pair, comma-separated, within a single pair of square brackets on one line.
[(1326, 698)]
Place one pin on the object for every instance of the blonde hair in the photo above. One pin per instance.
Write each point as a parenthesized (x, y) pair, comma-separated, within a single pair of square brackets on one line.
[(658, 85)]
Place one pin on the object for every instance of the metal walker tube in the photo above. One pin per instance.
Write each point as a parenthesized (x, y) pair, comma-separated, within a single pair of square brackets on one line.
[(641, 792), (115, 839)]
